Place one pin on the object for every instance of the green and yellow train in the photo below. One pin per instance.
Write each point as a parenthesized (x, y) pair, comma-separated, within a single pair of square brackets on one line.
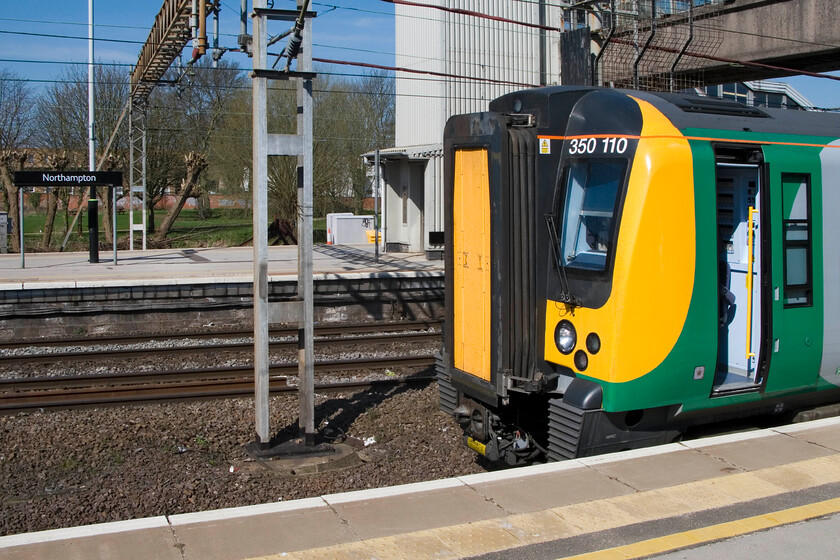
[(623, 265)]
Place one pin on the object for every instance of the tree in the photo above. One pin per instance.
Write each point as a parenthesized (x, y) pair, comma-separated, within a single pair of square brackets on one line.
[(181, 124), (195, 165), (362, 121), (15, 112), (62, 121), (15, 135), (351, 117), (10, 162), (59, 162)]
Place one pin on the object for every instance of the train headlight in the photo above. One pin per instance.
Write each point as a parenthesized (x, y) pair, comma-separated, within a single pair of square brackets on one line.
[(565, 337)]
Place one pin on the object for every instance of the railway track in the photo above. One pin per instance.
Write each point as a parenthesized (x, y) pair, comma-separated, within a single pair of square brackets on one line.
[(159, 352), (23, 395), (320, 330)]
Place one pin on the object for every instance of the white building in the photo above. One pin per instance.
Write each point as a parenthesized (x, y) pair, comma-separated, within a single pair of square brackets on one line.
[(462, 63)]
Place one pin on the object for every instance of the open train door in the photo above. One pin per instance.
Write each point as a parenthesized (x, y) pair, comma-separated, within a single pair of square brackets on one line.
[(739, 190), (798, 309)]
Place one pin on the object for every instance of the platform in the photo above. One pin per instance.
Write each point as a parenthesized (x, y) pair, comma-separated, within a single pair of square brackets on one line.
[(349, 285), (194, 266), (625, 505)]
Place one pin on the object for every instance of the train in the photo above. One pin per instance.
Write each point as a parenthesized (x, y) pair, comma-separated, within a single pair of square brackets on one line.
[(622, 266)]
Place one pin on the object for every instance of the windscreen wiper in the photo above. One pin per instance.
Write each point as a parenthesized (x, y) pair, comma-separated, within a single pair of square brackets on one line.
[(566, 295)]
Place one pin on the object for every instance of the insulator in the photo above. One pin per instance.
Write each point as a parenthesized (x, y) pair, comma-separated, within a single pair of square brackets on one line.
[(293, 47)]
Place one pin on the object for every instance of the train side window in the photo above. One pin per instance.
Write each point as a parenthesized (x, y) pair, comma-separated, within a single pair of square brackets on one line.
[(796, 226)]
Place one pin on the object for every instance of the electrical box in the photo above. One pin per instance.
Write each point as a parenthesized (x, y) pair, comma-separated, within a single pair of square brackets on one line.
[(331, 225), (350, 230)]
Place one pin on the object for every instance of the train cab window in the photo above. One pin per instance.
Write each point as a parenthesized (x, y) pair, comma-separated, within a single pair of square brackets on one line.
[(591, 202), (796, 225)]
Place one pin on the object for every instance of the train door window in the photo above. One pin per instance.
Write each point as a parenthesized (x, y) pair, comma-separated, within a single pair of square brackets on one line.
[(796, 225), (588, 233)]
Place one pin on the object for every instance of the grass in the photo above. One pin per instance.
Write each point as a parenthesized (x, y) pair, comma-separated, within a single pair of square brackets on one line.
[(224, 228)]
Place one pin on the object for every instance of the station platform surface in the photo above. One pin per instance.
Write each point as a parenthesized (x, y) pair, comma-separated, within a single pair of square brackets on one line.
[(193, 266), (634, 504)]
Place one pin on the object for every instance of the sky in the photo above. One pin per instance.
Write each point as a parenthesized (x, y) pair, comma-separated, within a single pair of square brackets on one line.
[(351, 30), (821, 92)]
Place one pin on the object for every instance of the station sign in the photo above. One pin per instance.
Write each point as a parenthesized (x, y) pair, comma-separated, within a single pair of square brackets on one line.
[(68, 178)]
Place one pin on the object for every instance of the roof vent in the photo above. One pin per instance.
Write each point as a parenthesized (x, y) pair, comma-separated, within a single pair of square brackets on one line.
[(717, 107)]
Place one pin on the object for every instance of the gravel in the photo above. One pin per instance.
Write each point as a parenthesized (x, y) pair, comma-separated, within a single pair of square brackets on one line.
[(77, 467), (204, 356)]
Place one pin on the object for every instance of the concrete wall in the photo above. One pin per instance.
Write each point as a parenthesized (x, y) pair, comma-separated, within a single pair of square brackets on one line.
[(811, 24), (404, 205), (801, 35)]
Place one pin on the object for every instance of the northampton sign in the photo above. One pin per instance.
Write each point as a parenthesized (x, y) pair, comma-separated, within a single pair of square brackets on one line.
[(68, 178)]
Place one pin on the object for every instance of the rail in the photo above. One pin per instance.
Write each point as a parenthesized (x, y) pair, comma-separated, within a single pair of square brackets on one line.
[(26, 395)]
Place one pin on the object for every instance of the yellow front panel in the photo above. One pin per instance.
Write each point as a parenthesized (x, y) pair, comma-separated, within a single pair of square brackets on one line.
[(653, 277), (471, 252)]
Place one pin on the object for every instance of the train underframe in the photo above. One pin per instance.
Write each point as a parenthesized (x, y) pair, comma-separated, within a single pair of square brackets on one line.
[(541, 426), (548, 426)]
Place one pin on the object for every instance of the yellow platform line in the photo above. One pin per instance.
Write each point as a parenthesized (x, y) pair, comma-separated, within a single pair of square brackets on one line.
[(517, 530), (704, 535)]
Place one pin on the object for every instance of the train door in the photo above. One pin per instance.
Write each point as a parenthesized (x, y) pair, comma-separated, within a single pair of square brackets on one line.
[(798, 317), (738, 184)]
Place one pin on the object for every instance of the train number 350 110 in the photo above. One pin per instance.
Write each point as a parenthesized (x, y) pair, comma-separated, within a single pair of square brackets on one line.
[(586, 146)]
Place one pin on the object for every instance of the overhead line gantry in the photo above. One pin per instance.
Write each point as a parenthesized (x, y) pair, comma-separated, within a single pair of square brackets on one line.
[(177, 22)]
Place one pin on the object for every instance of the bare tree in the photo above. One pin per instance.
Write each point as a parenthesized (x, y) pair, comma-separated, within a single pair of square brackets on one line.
[(182, 123), (373, 104), (351, 117), (195, 165), (62, 118), (59, 162), (9, 163), (354, 116), (15, 112), (15, 135)]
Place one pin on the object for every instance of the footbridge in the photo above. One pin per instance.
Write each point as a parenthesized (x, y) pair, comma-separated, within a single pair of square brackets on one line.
[(673, 44)]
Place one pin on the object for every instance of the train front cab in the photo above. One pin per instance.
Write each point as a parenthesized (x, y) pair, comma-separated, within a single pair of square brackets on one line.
[(499, 186), (712, 309)]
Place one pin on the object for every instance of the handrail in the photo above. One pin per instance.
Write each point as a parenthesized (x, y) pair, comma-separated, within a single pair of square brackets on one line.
[(751, 259)]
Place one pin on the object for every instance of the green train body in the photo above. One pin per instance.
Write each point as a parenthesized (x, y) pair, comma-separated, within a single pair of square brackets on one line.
[(622, 265)]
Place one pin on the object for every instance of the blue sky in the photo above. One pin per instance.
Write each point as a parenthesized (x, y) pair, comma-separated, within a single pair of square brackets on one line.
[(821, 92), (354, 30)]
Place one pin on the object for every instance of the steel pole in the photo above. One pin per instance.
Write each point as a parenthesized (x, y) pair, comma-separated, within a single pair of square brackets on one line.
[(306, 354), (260, 221), (20, 227), (91, 139), (376, 206), (114, 220)]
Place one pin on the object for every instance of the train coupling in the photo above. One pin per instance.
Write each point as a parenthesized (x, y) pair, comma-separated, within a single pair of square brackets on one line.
[(485, 434)]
